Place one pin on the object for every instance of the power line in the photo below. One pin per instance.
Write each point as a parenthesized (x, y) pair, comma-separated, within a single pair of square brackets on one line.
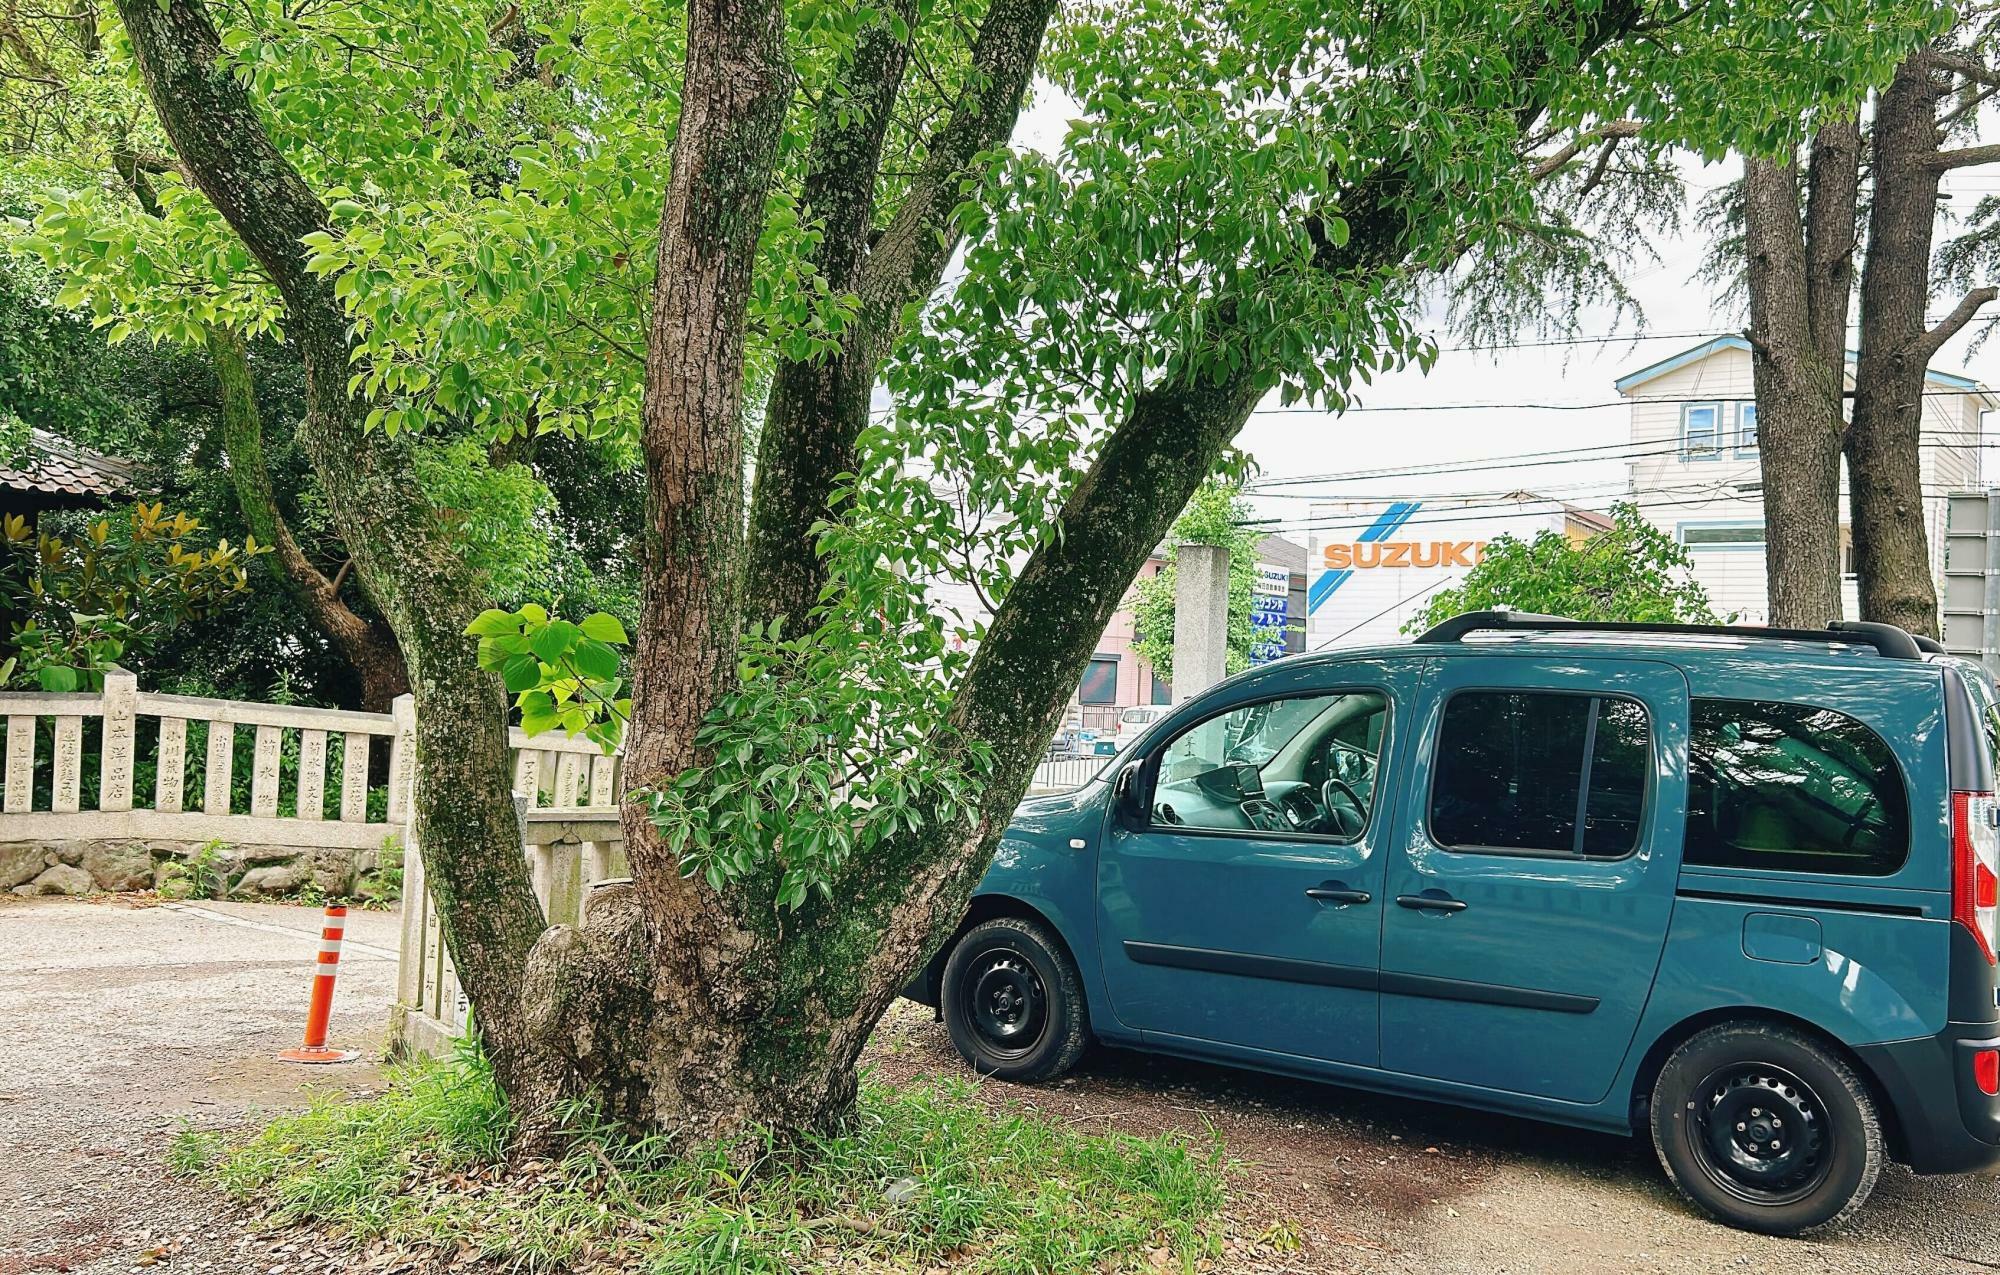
[(1602, 452), (1451, 514), (1547, 407), (1399, 602)]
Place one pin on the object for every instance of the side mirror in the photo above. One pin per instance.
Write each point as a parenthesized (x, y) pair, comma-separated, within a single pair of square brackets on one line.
[(1126, 797)]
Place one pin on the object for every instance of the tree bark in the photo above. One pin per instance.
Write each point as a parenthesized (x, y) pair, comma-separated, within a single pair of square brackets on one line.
[(463, 811), (682, 970), (1800, 276), (1885, 472), (369, 649), (818, 408)]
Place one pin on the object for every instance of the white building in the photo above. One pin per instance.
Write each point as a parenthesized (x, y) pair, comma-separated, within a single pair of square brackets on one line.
[(1694, 467), (1373, 565)]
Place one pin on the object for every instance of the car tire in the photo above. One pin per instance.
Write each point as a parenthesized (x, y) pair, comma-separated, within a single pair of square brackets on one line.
[(1013, 1002), (1766, 1128)]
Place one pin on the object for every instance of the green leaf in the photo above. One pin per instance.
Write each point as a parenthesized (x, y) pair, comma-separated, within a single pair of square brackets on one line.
[(57, 677), (553, 641), (494, 623), (602, 626), (595, 660), (521, 673)]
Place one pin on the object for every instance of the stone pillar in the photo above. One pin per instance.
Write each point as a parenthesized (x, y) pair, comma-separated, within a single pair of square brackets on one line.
[(120, 739), (1201, 618)]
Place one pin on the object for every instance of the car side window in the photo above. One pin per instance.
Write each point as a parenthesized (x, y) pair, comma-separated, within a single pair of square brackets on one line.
[(1541, 772), (1300, 766), (1793, 788)]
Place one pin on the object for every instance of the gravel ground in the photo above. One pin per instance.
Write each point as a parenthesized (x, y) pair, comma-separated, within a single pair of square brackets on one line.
[(124, 1021), (119, 1023)]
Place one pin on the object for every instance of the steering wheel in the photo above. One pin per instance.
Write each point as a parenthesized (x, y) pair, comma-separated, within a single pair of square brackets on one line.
[(1346, 816)]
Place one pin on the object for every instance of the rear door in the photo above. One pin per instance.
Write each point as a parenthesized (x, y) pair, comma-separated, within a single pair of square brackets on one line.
[(1530, 894)]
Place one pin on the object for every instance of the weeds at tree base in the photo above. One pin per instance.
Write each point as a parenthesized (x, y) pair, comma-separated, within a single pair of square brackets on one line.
[(927, 1176)]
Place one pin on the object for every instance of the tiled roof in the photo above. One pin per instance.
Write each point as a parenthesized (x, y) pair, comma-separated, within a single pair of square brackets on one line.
[(58, 467)]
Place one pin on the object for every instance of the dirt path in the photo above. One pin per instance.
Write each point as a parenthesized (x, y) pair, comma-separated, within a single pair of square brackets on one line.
[(119, 1023), (1382, 1186)]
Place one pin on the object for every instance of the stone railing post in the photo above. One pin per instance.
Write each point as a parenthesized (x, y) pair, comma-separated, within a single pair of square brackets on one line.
[(402, 757), (121, 730)]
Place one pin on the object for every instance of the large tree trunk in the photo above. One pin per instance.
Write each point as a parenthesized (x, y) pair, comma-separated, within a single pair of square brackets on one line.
[(463, 810), (369, 649), (1800, 274), (672, 962), (818, 408), (1891, 544)]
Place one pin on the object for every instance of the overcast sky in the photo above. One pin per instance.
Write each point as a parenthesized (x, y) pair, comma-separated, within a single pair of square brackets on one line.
[(1680, 311)]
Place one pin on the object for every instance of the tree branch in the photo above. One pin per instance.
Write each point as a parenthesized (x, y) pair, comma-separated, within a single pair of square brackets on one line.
[(1962, 314), (1969, 68), (1551, 164), (1966, 157), (817, 409), (842, 170), (462, 809), (910, 258), (1967, 107)]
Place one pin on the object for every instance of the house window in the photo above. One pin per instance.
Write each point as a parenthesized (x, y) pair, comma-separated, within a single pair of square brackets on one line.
[(1746, 429), (1701, 431), (1721, 535), (1100, 681)]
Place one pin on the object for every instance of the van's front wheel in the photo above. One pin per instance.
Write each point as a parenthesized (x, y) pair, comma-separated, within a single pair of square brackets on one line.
[(1766, 1128), (1013, 1002)]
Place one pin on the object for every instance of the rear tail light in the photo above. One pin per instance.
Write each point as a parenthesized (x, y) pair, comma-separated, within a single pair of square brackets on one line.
[(1975, 867), (1986, 1071)]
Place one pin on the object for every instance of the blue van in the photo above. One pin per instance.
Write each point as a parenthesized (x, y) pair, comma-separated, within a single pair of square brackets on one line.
[(1736, 887)]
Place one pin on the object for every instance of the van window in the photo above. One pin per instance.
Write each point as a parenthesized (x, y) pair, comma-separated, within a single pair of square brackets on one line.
[(1792, 788), (1539, 772), (1300, 766)]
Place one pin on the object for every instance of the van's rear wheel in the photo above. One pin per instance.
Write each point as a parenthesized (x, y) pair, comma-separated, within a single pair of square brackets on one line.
[(1766, 1128), (1013, 1002)]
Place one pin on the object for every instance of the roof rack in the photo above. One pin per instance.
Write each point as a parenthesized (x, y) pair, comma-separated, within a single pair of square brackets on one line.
[(1889, 641)]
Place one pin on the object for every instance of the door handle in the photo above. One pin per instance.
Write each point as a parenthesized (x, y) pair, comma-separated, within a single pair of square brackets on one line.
[(1430, 903), (1334, 894)]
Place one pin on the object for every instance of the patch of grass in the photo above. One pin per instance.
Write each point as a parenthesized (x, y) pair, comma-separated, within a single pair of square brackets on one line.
[(927, 1175)]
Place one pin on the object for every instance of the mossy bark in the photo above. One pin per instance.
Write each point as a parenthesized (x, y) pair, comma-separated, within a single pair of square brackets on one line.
[(403, 548), (370, 649)]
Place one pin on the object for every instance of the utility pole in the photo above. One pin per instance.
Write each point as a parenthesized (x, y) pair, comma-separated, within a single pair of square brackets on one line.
[(1201, 618)]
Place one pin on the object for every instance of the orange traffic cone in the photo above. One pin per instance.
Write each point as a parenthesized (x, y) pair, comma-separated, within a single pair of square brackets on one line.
[(320, 1012)]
